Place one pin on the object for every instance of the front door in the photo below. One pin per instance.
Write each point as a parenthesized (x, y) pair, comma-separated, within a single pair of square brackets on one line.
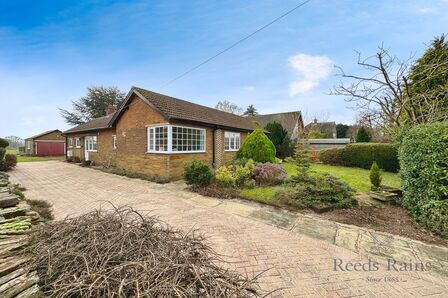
[(86, 148), (89, 146)]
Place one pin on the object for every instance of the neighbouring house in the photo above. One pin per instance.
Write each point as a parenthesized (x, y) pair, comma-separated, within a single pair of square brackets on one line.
[(292, 122), (327, 129), (156, 134), (49, 143)]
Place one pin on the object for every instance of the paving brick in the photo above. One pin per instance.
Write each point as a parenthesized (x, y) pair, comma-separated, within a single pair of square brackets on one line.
[(302, 266)]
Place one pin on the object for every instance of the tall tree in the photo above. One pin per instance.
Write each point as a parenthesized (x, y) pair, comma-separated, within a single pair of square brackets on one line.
[(280, 138), (251, 111), (395, 92), (93, 104), (341, 130), (363, 136), (428, 79), (229, 107)]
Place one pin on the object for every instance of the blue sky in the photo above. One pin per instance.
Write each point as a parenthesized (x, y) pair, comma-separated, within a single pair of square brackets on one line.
[(50, 51)]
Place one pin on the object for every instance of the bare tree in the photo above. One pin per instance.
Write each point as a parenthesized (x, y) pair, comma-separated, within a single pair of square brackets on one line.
[(229, 107), (385, 97), (14, 142)]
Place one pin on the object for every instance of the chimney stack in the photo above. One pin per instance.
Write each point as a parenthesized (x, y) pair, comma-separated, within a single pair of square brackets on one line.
[(110, 110)]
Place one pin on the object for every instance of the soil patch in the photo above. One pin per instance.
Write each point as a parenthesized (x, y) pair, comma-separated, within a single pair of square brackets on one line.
[(387, 218)]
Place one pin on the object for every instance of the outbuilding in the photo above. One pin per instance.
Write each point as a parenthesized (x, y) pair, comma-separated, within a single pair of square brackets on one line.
[(49, 143)]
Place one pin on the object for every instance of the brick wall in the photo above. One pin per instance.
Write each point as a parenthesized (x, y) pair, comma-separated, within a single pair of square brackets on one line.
[(106, 154), (132, 141)]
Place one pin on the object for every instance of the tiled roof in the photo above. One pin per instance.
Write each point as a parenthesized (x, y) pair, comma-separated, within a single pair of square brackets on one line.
[(288, 120), (94, 124), (44, 133), (327, 128), (178, 109)]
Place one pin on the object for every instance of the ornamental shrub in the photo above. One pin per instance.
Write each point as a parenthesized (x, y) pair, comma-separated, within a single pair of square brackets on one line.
[(225, 177), (269, 174), (197, 173), (307, 190), (11, 160), (2, 153), (362, 155), (235, 174), (3, 143), (423, 158), (8, 163), (375, 176), (257, 147)]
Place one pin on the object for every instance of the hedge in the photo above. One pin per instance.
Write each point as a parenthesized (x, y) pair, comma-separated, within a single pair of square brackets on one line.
[(362, 155), (423, 156)]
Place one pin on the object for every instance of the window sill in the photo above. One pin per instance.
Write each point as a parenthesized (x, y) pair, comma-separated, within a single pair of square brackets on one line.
[(92, 150), (231, 150), (175, 152)]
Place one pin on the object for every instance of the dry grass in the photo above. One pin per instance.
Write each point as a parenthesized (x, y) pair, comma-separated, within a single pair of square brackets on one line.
[(123, 253)]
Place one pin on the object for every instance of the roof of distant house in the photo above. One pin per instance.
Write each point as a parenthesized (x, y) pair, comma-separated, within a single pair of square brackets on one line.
[(327, 128), (44, 133), (288, 120)]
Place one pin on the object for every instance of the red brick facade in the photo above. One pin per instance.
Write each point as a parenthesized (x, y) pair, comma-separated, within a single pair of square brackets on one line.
[(131, 151)]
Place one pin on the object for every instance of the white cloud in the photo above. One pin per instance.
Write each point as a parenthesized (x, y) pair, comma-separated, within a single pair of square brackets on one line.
[(310, 71), (249, 88), (425, 10)]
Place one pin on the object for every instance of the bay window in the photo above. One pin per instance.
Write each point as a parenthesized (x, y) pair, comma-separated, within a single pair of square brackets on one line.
[(175, 139), (232, 141)]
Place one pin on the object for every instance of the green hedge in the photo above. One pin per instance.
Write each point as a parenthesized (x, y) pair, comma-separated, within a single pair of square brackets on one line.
[(362, 155), (423, 158)]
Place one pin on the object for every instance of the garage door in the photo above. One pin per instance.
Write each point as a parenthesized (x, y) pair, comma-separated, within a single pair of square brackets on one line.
[(50, 148)]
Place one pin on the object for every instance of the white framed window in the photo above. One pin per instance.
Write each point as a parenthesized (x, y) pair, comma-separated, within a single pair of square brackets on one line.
[(176, 139), (91, 142), (70, 143), (78, 142), (114, 142), (28, 145), (232, 141)]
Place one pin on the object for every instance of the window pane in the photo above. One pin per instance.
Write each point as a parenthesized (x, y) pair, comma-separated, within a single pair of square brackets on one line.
[(187, 139)]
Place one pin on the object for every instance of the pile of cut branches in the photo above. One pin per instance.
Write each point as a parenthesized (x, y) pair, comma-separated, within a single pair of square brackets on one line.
[(123, 253)]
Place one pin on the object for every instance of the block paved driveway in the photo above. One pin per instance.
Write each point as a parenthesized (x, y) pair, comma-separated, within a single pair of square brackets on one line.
[(300, 265)]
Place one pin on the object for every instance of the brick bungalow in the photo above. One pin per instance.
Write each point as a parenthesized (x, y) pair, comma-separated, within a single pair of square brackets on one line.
[(49, 143), (156, 134)]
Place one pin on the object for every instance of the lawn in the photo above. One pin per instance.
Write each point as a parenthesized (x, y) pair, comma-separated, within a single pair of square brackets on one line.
[(33, 158), (357, 178)]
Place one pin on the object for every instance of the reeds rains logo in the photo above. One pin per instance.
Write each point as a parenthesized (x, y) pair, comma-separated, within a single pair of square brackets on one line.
[(390, 265)]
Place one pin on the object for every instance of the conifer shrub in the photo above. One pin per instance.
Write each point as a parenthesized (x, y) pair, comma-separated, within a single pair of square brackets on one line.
[(257, 147)]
